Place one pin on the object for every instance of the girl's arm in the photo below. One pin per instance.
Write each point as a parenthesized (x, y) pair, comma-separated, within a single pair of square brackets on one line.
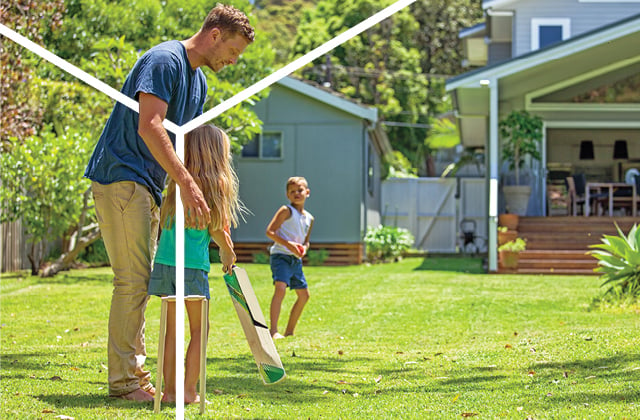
[(225, 244)]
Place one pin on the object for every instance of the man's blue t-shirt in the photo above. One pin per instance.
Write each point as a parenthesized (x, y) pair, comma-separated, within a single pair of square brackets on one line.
[(121, 154)]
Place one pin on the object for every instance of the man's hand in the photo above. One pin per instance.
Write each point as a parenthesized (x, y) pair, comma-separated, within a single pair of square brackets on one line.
[(196, 211)]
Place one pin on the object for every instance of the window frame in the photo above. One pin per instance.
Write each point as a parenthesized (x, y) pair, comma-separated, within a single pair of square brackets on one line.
[(260, 137), (536, 23)]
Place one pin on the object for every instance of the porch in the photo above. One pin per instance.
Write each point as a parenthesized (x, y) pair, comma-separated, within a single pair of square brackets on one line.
[(558, 244)]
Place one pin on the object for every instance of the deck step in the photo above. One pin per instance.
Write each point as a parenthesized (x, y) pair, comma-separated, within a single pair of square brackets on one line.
[(560, 245), (552, 271)]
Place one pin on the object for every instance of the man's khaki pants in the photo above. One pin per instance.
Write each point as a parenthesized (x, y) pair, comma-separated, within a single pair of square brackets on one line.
[(128, 217)]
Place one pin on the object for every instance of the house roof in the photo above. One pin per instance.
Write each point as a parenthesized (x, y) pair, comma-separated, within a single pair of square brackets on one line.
[(586, 58), (330, 98), (475, 30), (625, 31), (496, 3)]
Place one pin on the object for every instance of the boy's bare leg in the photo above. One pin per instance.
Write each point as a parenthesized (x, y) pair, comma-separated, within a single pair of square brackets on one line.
[(169, 368), (296, 310), (276, 304), (192, 364)]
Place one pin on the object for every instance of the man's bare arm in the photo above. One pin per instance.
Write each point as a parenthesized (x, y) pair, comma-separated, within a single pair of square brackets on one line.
[(152, 112)]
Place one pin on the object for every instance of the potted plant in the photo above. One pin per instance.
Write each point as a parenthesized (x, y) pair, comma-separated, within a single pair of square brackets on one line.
[(510, 252), (506, 235), (521, 133), (508, 220)]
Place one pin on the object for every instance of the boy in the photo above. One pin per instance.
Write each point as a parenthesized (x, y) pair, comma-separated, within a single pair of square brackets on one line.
[(290, 229)]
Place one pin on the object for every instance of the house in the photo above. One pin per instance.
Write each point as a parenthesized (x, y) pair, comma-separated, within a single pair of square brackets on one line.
[(336, 145), (575, 64)]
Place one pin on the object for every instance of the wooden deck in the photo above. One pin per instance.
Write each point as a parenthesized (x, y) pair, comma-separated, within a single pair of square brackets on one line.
[(339, 253), (559, 244)]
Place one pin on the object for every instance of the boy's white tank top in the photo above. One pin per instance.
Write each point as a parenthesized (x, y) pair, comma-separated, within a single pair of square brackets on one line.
[(295, 229)]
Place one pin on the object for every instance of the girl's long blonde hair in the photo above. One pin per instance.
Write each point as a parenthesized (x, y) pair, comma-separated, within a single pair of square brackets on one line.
[(207, 157)]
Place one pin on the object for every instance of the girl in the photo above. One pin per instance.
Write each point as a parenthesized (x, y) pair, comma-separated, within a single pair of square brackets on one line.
[(208, 160)]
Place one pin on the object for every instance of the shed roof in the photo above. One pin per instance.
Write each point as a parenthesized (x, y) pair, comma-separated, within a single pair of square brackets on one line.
[(330, 98)]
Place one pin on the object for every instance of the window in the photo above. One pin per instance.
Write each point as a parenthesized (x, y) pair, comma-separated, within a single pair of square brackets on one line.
[(547, 31), (267, 145)]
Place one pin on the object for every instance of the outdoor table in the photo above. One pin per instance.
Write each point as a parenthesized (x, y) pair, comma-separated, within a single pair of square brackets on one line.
[(609, 187)]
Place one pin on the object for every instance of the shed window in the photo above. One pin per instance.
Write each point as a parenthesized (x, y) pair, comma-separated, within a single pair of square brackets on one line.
[(267, 145), (548, 31)]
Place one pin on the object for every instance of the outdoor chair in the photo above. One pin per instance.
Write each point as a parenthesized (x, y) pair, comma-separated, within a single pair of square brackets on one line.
[(624, 198), (575, 200), (576, 187), (469, 241)]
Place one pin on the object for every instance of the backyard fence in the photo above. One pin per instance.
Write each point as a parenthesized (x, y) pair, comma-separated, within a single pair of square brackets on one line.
[(432, 209), (13, 252)]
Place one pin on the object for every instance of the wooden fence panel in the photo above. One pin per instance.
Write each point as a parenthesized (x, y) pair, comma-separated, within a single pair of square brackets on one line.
[(13, 253), (432, 209)]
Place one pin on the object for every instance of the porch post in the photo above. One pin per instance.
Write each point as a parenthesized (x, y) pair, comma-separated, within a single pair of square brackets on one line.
[(493, 149)]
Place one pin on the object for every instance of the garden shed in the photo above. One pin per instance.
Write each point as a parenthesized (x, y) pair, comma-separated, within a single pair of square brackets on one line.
[(337, 145)]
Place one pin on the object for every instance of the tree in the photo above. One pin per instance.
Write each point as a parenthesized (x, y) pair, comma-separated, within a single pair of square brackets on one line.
[(41, 180), (19, 116), (398, 65), (280, 19), (522, 135)]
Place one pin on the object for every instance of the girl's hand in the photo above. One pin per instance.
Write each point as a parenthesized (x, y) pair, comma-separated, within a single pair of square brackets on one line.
[(228, 259)]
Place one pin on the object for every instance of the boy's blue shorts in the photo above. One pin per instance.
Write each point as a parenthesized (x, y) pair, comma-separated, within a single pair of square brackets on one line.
[(163, 281), (288, 269)]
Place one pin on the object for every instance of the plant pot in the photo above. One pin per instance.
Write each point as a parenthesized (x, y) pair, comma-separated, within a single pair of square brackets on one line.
[(509, 220), (509, 259), (516, 198), (509, 235)]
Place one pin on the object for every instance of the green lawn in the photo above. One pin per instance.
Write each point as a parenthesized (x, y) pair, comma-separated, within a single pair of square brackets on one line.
[(422, 338)]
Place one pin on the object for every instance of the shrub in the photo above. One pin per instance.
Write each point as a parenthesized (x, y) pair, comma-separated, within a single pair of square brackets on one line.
[(214, 255), (95, 254), (619, 262), (386, 242), (317, 257), (260, 258)]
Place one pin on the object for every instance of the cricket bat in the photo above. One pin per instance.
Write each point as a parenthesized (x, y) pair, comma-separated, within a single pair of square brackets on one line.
[(254, 326)]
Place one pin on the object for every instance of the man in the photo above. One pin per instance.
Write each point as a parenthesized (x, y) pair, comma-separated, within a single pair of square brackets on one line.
[(128, 170)]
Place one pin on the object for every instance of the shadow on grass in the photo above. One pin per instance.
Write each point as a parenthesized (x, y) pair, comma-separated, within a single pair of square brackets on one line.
[(238, 378), (602, 364), (606, 370), (74, 278), (62, 278), (470, 265), (34, 362), (91, 400)]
